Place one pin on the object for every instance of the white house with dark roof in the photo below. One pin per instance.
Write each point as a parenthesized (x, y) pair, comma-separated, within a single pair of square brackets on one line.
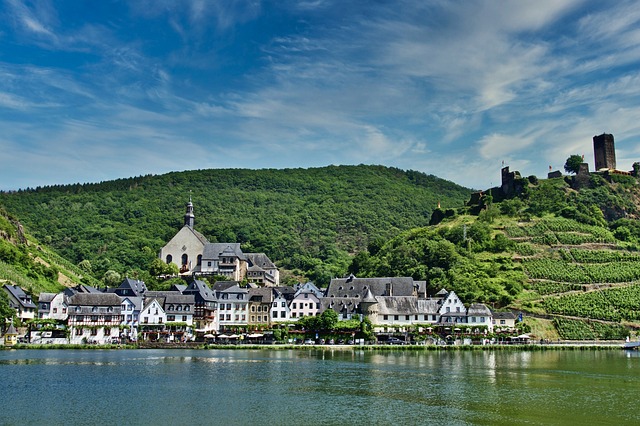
[(233, 304), (479, 314), (261, 270), (21, 302), (94, 317), (305, 303), (131, 307), (53, 306), (281, 305)]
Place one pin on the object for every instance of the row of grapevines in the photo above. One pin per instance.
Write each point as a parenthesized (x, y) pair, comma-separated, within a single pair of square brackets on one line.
[(552, 287), (563, 271), (603, 256), (612, 304), (525, 249), (570, 329)]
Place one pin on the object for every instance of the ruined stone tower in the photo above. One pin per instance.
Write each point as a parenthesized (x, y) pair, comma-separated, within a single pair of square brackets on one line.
[(604, 151)]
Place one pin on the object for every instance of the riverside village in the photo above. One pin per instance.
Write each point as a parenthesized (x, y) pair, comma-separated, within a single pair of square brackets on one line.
[(249, 306)]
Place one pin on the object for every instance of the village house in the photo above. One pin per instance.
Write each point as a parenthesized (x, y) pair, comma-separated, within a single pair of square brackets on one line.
[(21, 302), (94, 317), (53, 306), (504, 320), (205, 315), (282, 300), (233, 303), (306, 302)]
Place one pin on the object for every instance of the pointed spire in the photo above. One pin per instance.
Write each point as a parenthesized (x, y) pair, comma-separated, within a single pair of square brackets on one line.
[(189, 217)]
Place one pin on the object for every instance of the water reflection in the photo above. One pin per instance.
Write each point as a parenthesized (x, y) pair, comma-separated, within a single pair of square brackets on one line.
[(314, 386)]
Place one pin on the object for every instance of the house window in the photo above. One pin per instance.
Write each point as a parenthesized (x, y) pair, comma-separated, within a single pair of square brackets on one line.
[(94, 309), (185, 259), (209, 264), (187, 308), (107, 318), (171, 317), (253, 318), (128, 317), (293, 314), (228, 317), (160, 320), (169, 258), (184, 318), (481, 319), (274, 314), (317, 306), (406, 317), (395, 317), (64, 310), (385, 317), (199, 259), (294, 306), (94, 332), (79, 331), (448, 309), (458, 309), (108, 331), (283, 304), (146, 320), (283, 314), (94, 318), (55, 311), (306, 295), (502, 322), (253, 308), (79, 318)]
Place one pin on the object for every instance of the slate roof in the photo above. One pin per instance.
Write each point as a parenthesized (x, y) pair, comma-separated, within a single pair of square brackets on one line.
[(215, 250), (201, 291), (130, 287), (261, 294), (135, 300), (95, 299), (46, 297), (23, 298), (353, 287), (397, 305), (223, 285), (504, 315), (478, 309), (259, 260)]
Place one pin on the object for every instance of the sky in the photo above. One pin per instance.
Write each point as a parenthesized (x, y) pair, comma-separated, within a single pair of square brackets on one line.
[(99, 90)]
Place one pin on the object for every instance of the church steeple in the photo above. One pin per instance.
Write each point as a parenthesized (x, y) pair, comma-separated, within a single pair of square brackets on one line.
[(189, 217)]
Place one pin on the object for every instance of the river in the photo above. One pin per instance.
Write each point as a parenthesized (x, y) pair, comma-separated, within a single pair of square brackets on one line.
[(314, 386)]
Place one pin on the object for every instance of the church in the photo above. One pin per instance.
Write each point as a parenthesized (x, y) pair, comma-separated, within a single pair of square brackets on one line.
[(196, 256)]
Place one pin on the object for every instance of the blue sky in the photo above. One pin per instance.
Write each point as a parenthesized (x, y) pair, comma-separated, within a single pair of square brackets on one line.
[(100, 90)]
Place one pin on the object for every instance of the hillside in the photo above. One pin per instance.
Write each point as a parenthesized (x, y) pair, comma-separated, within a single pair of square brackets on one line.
[(569, 259), (32, 266), (309, 221)]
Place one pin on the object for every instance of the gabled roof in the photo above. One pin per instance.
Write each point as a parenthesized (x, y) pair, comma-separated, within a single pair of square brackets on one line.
[(478, 309), (259, 260), (136, 301), (11, 330), (504, 315), (261, 294), (23, 298), (130, 287), (201, 290), (95, 299), (46, 297), (357, 287), (223, 285), (397, 305), (215, 250)]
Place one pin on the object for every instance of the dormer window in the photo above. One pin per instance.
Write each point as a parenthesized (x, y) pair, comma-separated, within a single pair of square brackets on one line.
[(94, 309)]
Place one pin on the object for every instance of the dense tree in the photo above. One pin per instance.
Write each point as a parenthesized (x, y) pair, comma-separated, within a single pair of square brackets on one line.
[(572, 165)]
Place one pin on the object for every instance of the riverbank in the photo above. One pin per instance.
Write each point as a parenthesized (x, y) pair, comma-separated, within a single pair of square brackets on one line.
[(556, 346)]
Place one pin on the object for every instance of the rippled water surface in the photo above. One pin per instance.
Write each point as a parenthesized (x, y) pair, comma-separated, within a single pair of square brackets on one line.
[(299, 387)]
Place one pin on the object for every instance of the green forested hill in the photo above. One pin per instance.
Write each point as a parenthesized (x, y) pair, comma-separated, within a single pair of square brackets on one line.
[(570, 258), (307, 220)]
